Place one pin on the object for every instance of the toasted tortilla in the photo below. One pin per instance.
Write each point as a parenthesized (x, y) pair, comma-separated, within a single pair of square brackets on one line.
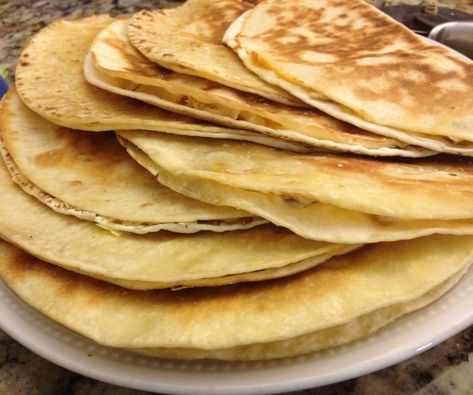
[(438, 188), (310, 219), (116, 66), (50, 82), (188, 39), (347, 298), (90, 176), (382, 72), (155, 260)]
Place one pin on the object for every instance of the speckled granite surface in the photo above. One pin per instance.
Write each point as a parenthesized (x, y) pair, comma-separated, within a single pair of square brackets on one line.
[(445, 369), (20, 19)]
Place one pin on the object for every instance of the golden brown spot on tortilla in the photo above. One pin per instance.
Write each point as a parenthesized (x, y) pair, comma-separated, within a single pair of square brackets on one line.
[(212, 18), (92, 151), (291, 16), (135, 64), (365, 53), (50, 158), (403, 172), (22, 264), (252, 2), (76, 183)]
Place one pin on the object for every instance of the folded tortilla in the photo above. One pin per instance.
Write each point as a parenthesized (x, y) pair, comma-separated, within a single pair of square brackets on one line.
[(345, 299), (271, 181), (50, 81), (155, 260), (188, 39), (91, 177), (387, 79), (113, 64)]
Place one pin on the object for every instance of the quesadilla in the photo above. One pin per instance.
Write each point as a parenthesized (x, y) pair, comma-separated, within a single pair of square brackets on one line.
[(155, 260), (113, 64), (50, 81), (188, 39), (90, 176), (320, 308), (388, 80), (438, 188)]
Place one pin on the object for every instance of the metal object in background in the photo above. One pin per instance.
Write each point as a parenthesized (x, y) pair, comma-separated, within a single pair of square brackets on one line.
[(3, 87), (422, 18), (456, 35)]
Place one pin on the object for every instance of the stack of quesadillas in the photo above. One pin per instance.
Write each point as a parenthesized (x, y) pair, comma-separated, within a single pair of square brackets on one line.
[(235, 181)]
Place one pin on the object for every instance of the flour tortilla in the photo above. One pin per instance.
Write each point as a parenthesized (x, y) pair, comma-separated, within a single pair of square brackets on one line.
[(316, 221), (345, 299), (438, 188), (230, 131), (398, 103), (309, 219), (50, 82), (90, 176), (188, 39), (155, 260), (114, 65)]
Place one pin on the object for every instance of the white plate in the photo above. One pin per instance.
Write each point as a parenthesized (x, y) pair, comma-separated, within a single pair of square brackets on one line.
[(405, 338)]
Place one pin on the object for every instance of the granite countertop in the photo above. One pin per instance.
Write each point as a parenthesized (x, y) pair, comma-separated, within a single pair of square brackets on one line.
[(445, 369)]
